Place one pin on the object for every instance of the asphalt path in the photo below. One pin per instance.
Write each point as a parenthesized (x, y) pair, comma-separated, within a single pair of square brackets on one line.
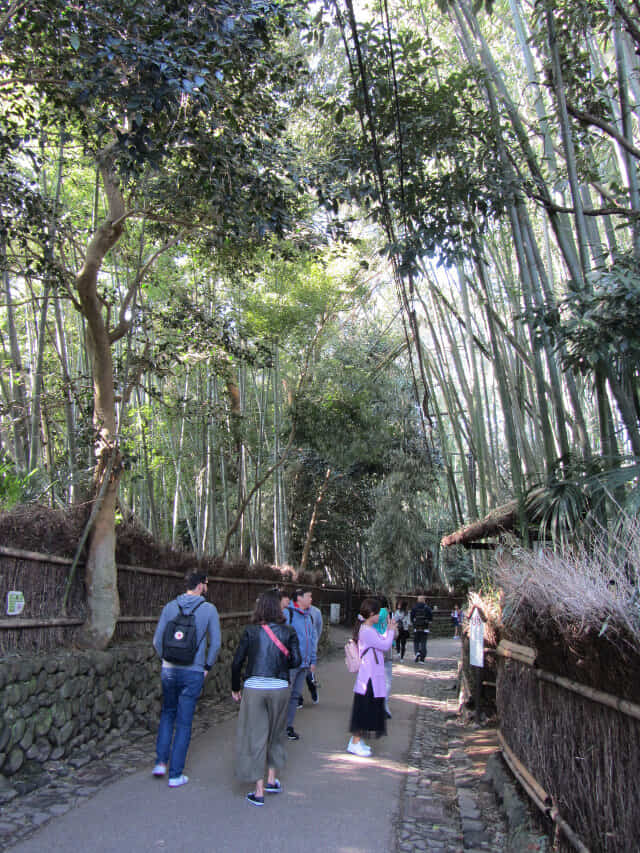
[(331, 800)]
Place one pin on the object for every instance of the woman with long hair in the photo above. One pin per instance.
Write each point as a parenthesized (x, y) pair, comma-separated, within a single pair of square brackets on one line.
[(370, 690), (270, 647)]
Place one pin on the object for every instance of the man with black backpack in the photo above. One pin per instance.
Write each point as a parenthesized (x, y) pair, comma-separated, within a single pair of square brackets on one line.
[(180, 640), (421, 616)]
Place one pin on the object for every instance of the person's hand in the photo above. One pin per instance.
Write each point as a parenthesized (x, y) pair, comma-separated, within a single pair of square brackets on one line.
[(312, 668), (236, 695)]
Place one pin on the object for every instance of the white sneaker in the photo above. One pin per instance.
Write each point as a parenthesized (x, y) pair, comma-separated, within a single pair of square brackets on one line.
[(359, 748), (160, 769), (178, 780)]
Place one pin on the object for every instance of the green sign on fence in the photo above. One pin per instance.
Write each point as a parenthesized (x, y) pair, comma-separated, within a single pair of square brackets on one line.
[(15, 602)]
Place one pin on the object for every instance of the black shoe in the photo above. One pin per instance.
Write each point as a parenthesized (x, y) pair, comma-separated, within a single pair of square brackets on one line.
[(300, 702), (291, 734), (313, 690), (256, 801), (417, 660)]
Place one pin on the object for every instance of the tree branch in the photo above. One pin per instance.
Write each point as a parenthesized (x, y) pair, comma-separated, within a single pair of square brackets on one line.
[(122, 328), (609, 129)]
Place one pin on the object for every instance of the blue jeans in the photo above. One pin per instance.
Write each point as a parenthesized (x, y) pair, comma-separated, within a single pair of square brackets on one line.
[(180, 691)]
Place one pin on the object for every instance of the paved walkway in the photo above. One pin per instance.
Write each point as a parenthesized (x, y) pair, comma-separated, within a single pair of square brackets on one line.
[(423, 789)]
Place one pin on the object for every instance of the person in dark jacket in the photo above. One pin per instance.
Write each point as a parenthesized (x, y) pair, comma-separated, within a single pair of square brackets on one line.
[(270, 649), (421, 616)]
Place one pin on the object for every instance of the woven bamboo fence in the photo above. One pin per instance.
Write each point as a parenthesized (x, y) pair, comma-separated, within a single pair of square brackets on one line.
[(143, 591), (574, 750)]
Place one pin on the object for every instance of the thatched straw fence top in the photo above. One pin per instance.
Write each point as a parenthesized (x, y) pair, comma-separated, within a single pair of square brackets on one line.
[(143, 590)]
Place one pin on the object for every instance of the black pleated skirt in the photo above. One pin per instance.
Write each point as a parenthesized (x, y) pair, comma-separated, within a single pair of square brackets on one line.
[(367, 714)]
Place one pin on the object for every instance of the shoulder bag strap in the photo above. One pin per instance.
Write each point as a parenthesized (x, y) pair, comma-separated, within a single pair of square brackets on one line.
[(370, 649), (279, 644)]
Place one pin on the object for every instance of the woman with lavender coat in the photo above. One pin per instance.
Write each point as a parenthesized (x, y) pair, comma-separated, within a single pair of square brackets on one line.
[(370, 689)]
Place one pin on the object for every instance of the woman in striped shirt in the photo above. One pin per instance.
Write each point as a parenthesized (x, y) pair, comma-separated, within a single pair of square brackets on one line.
[(269, 647)]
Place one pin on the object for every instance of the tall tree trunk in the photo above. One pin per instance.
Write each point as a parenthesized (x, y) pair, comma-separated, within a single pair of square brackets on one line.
[(312, 523), (103, 605)]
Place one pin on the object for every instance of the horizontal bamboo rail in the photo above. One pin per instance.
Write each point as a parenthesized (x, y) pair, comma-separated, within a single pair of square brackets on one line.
[(538, 795), (622, 705), (16, 622), (524, 654), (527, 655), (34, 555)]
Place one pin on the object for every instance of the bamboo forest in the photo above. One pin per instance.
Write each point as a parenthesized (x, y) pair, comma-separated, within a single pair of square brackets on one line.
[(320, 284)]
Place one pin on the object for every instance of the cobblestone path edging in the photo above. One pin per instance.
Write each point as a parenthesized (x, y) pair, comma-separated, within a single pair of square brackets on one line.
[(445, 806)]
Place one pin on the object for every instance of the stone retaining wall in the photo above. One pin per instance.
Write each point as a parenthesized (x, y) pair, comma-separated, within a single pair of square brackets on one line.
[(70, 702), (61, 703)]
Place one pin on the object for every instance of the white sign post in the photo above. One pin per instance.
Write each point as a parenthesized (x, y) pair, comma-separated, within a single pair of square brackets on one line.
[(476, 653), (476, 639)]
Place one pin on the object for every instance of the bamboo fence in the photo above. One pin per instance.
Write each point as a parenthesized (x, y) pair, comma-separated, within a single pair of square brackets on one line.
[(572, 748)]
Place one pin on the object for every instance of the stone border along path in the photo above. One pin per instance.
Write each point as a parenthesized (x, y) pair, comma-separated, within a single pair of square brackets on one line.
[(444, 803)]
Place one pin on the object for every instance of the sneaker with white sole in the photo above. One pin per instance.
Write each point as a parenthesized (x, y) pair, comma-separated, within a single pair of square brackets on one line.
[(359, 748), (274, 787), (160, 769), (178, 780)]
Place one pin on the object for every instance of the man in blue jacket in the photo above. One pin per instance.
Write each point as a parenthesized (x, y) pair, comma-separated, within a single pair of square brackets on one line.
[(182, 683), (299, 615)]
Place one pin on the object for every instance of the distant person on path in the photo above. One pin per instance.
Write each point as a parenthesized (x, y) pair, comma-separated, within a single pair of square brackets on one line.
[(182, 682), (284, 600), (421, 616), (369, 691), (311, 677), (299, 616), (456, 617), (271, 649), (402, 620)]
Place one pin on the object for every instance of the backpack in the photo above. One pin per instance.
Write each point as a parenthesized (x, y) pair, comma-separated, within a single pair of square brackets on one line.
[(180, 638), (352, 656), (420, 620)]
